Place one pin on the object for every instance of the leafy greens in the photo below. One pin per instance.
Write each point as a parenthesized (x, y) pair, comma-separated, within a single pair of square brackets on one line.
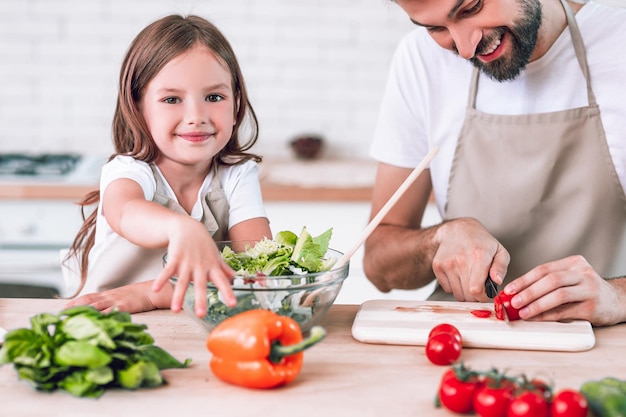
[(285, 255), (83, 352)]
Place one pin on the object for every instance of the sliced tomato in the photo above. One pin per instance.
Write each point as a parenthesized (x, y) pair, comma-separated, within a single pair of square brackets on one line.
[(502, 302), (483, 314)]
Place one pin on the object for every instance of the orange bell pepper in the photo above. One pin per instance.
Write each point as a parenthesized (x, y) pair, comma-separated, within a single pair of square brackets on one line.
[(259, 349)]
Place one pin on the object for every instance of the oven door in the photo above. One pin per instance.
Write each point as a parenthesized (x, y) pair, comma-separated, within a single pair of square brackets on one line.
[(33, 272)]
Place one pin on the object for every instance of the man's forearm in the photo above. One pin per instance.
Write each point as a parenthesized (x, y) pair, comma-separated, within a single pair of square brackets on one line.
[(400, 258)]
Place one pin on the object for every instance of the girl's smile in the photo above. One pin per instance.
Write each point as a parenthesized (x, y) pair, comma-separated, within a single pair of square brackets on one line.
[(195, 136)]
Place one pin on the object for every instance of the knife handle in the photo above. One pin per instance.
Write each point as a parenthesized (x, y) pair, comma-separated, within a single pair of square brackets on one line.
[(490, 287)]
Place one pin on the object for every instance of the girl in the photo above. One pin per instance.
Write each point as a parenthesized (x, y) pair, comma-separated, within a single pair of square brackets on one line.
[(180, 178)]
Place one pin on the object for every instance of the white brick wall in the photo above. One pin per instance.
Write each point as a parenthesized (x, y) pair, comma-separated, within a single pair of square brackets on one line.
[(311, 66)]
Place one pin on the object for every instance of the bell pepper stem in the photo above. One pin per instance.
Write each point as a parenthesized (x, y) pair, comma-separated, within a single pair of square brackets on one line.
[(279, 351)]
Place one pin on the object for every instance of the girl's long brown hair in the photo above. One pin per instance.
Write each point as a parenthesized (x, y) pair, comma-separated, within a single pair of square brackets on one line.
[(148, 53)]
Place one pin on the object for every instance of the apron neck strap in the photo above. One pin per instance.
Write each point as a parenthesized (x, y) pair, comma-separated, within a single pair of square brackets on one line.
[(579, 48)]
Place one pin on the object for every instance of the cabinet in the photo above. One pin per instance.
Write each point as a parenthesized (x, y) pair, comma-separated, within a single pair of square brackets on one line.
[(32, 232)]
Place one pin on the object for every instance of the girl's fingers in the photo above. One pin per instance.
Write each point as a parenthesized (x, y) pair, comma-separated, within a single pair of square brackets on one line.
[(199, 290), (164, 277), (222, 282), (183, 279), (220, 274)]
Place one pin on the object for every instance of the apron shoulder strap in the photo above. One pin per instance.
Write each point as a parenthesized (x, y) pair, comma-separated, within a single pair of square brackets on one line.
[(579, 48)]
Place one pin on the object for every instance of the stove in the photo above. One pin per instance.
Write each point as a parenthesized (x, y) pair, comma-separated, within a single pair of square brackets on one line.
[(47, 168), (16, 164)]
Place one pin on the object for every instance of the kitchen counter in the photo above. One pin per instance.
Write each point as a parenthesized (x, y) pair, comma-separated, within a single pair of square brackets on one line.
[(26, 191), (340, 377), (271, 192), (281, 180), (324, 179)]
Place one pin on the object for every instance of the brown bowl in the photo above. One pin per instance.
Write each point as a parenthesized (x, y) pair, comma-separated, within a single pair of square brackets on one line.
[(307, 147)]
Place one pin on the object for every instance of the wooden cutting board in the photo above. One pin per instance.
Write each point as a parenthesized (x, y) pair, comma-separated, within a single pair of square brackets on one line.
[(399, 322)]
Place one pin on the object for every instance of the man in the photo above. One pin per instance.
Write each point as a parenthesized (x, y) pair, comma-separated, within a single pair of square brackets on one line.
[(525, 100)]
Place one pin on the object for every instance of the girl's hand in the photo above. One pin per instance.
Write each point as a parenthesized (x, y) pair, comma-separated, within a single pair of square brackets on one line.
[(193, 257), (133, 298), (568, 289)]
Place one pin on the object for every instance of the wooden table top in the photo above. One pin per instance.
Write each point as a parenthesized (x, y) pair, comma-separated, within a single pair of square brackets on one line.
[(340, 376)]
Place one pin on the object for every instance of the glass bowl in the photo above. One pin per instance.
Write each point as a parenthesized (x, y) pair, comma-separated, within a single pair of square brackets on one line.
[(305, 298)]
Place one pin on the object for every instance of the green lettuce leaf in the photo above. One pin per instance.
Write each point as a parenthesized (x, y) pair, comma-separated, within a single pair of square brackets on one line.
[(287, 254)]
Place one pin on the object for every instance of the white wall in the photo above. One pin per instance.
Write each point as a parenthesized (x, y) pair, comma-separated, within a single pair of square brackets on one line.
[(311, 66)]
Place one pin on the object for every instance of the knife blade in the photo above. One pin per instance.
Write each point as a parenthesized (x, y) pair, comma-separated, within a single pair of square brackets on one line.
[(505, 314), (492, 292)]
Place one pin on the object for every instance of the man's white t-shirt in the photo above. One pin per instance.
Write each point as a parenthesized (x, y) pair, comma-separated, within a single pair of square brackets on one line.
[(427, 93), (239, 182)]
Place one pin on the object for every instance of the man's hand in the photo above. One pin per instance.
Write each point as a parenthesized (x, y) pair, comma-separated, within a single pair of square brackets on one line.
[(467, 253), (569, 289)]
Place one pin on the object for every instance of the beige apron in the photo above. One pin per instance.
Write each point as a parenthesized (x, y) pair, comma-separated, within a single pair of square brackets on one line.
[(543, 184), (123, 262)]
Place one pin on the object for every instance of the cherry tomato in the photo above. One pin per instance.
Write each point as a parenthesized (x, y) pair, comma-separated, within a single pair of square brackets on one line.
[(443, 349), (542, 387), (457, 395), (493, 401), (445, 328), (528, 404), (502, 302), (569, 403)]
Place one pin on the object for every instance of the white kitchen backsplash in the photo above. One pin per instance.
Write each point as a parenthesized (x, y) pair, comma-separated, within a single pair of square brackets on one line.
[(311, 66)]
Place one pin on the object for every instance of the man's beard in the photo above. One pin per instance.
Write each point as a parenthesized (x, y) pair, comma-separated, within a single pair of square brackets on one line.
[(524, 39)]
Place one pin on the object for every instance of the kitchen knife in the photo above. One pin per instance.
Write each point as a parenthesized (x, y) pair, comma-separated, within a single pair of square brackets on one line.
[(492, 292)]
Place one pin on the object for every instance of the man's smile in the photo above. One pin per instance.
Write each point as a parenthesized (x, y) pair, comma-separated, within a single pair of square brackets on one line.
[(493, 50)]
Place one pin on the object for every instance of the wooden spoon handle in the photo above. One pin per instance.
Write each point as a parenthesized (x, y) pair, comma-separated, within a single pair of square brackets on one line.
[(388, 205)]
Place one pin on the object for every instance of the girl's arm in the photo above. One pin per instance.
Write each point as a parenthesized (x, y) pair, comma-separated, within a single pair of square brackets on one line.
[(252, 229), (138, 297), (142, 222), (192, 253)]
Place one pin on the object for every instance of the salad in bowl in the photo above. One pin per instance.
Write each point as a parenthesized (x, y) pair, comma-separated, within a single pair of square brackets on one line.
[(291, 275)]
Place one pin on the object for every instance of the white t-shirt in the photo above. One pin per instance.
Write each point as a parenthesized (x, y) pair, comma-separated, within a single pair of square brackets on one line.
[(427, 93), (239, 182)]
